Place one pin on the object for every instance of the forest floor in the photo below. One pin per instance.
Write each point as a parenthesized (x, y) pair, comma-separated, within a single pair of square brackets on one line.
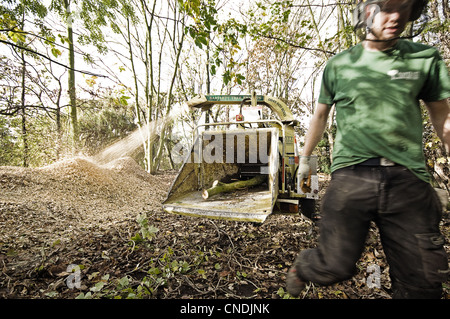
[(76, 229)]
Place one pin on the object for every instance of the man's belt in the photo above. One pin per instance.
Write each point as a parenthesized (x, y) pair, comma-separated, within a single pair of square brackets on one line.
[(378, 161)]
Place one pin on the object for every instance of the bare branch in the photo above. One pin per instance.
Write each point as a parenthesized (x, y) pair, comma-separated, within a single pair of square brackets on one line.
[(50, 59), (295, 45)]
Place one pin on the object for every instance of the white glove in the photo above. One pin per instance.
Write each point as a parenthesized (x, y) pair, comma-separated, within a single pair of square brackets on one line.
[(304, 174), (304, 168)]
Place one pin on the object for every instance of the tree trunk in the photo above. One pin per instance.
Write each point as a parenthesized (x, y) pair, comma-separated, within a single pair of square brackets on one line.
[(72, 91), (149, 81), (23, 102), (167, 121), (218, 187), (23, 113), (133, 68), (58, 123)]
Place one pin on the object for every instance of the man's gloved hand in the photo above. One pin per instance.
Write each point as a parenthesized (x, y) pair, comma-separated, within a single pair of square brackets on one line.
[(304, 173), (304, 168)]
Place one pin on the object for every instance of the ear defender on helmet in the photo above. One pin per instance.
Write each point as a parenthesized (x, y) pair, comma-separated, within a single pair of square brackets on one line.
[(417, 9), (359, 15), (359, 18)]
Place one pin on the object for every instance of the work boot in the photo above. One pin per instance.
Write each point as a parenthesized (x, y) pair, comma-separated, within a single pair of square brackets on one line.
[(294, 284)]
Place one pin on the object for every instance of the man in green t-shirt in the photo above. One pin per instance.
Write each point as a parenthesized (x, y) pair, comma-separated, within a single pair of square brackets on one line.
[(378, 170)]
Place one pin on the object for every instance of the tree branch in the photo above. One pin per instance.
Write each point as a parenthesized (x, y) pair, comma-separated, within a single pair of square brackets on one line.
[(295, 45), (50, 59), (321, 5)]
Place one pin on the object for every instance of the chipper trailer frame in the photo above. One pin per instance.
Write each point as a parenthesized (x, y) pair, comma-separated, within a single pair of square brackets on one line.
[(249, 167)]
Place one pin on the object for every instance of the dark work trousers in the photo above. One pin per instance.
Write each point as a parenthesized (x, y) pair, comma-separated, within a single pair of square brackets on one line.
[(407, 212)]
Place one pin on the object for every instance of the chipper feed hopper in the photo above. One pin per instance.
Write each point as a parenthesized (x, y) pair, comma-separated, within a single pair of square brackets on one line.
[(242, 170)]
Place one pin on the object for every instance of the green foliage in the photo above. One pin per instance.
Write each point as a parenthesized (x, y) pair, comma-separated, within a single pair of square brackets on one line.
[(191, 7), (9, 142), (160, 270), (101, 122), (284, 294), (11, 14), (42, 141), (205, 24), (147, 231), (114, 289), (92, 15)]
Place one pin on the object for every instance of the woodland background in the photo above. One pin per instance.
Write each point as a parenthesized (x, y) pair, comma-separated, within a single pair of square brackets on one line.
[(78, 76), (146, 58)]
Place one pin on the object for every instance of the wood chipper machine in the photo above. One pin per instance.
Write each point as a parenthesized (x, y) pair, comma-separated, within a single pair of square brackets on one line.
[(243, 170)]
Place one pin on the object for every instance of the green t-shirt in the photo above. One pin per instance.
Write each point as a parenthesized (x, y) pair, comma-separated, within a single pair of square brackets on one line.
[(376, 95)]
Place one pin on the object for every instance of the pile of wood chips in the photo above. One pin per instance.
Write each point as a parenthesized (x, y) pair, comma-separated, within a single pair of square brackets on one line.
[(73, 194)]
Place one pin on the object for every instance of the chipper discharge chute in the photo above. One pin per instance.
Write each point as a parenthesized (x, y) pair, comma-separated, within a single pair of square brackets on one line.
[(242, 170)]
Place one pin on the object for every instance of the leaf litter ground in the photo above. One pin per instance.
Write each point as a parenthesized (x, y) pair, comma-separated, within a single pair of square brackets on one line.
[(108, 221)]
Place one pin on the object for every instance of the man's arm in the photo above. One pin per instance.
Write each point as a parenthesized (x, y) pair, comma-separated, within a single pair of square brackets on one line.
[(316, 128), (440, 118)]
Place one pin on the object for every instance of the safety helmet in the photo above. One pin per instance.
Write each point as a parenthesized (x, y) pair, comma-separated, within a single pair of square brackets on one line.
[(359, 16)]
